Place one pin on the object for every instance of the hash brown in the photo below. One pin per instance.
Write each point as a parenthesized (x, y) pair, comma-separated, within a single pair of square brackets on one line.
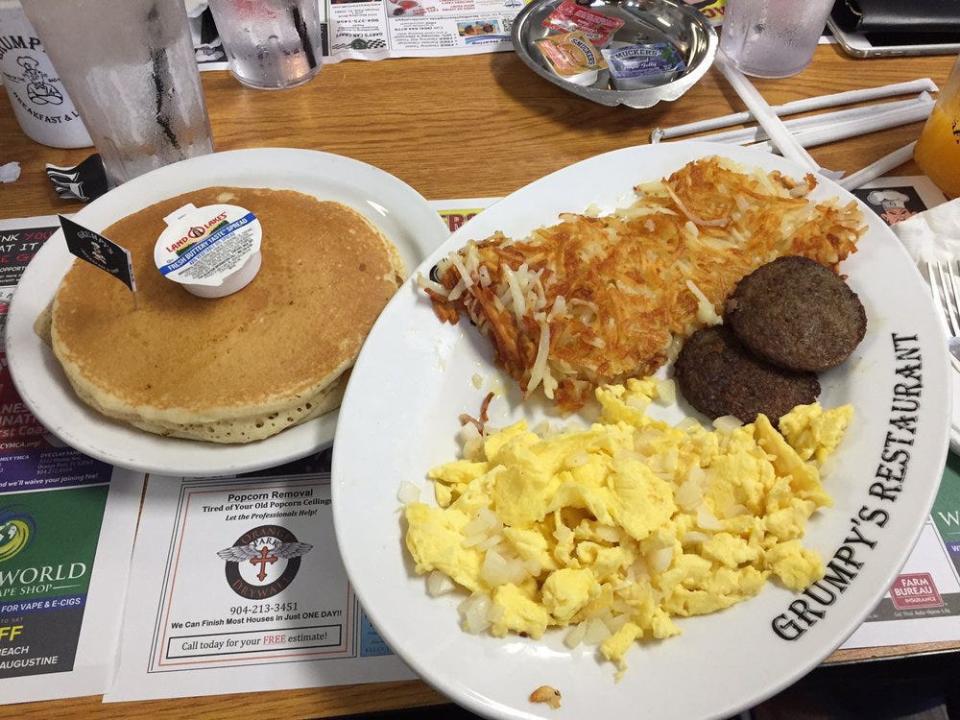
[(594, 300)]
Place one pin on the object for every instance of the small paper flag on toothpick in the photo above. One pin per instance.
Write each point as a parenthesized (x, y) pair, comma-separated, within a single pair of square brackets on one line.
[(99, 251)]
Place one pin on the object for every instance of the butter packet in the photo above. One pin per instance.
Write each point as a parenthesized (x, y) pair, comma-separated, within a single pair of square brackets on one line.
[(570, 16), (573, 57)]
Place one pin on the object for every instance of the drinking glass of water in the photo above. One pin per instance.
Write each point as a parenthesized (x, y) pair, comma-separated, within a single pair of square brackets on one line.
[(772, 38), (130, 69), (271, 44)]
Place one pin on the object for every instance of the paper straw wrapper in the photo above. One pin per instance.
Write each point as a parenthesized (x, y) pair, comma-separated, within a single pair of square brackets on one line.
[(778, 133), (812, 137), (880, 167), (820, 102), (744, 136)]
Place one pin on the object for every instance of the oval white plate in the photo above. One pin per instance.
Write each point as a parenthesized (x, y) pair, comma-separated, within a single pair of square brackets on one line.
[(399, 418), (397, 209)]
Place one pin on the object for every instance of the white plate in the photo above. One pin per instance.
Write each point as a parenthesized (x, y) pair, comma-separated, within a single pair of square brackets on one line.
[(392, 430), (396, 208)]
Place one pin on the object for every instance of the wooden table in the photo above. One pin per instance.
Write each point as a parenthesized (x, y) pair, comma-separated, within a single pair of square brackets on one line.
[(451, 127)]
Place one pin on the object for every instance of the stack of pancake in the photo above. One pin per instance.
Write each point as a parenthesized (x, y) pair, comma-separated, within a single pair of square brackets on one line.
[(239, 368)]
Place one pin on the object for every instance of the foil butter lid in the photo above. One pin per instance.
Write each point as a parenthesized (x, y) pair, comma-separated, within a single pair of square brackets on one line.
[(212, 251)]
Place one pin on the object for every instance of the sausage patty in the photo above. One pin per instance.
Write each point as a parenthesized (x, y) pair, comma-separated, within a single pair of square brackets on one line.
[(798, 314), (718, 376)]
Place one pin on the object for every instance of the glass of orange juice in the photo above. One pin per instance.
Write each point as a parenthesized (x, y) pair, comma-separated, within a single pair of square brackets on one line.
[(938, 149)]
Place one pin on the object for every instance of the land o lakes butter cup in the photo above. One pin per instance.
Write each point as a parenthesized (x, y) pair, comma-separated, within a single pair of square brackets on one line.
[(212, 251)]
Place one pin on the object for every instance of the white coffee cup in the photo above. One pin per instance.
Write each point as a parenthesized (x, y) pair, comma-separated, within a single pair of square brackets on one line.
[(40, 102)]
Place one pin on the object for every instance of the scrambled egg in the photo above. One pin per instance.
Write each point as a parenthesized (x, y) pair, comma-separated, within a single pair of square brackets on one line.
[(616, 529)]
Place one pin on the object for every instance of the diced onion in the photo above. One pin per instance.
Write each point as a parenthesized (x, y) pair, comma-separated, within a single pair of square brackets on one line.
[(694, 537), (490, 542), (666, 392), (660, 559), (688, 423), (615, 622), (597, 632), (727, 423), (468, 432), (408, 493), (576, 635), (438, 584), (498, 570), (475, 612), (707, 520), (473, 448), (485, 523), (689, 495)]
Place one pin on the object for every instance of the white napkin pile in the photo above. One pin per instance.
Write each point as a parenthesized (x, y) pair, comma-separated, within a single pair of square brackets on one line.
[(932, 235), (9, 172)]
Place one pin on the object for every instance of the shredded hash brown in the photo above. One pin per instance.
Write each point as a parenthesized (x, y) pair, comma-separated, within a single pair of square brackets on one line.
[(597, 300)]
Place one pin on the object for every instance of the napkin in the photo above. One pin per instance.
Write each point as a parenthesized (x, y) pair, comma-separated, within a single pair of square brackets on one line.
[(9, 172), (933, 235)]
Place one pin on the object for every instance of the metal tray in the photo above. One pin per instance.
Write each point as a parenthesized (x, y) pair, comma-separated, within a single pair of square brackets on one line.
[(644, 21)]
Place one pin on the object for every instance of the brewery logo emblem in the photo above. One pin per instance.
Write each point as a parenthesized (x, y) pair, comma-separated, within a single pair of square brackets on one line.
[(263, 561), (17, 531)]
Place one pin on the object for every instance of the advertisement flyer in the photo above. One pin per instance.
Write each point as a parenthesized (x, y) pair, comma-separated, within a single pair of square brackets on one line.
[(241, 578), (67, 524)]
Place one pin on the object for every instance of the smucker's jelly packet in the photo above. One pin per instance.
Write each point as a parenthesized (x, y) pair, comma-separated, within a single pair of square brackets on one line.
[(570, 17), (645, 65), (212, 251), (572, 56)]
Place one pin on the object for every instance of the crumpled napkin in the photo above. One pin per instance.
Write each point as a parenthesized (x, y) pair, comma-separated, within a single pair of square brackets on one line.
[(9, 172), (933, 235)]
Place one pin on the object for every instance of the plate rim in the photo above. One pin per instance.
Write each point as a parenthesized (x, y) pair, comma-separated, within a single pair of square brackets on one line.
[(489, 707), (427, 234)]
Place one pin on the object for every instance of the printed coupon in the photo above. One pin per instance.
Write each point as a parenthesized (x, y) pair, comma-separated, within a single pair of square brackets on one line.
[(242, 580)]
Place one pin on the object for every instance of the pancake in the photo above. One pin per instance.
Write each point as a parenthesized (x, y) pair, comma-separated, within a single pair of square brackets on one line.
[(238, 368)]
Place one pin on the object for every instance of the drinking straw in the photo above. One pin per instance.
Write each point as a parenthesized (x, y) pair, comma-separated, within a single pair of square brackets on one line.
[(744, 136), (778, 133), (301, 27), (162, 80), (811, 137), (880, 167), (794, 107)]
